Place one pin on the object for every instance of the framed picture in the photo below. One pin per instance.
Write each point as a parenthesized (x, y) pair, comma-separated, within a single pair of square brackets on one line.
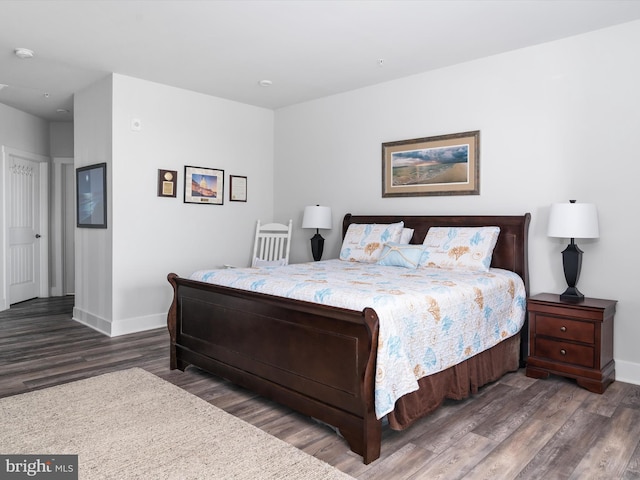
[(442, 165), (237, 188), (167, 183), (91, 196), (203, 185)]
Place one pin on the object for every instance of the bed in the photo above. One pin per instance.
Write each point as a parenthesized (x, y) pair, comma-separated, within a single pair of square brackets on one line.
[(320, 360)]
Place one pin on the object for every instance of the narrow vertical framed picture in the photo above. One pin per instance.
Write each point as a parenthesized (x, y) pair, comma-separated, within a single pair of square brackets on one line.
[(167, 183), (91, 196), (237, 188), (203, 185)]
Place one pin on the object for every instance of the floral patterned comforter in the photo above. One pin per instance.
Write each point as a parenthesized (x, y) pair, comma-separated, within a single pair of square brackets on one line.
[(430, 318)]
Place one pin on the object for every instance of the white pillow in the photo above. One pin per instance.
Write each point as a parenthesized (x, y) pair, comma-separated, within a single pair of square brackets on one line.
[(406, 235), (257, 262), (364, 241), (470, 248)]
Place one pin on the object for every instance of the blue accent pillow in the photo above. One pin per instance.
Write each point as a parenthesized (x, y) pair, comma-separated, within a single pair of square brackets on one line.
[(401, 255)]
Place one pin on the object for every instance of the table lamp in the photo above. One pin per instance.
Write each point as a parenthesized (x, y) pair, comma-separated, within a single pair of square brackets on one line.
[(572, 220), (317, 217)]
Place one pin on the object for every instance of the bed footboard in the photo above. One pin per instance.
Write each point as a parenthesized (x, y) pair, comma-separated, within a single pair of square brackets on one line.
[(317, 360)]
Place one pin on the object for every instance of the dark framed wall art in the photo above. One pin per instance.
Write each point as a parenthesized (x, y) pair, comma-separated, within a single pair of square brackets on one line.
[(167, 183), (203, 185), (237, 188), (91, 196)]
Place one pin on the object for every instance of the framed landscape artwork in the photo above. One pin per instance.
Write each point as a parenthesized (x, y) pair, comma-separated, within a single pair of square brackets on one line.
[(203, 185), (441, 165), (91, 196)]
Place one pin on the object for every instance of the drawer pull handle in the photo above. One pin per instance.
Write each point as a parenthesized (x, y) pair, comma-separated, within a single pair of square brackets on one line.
[(563, 329), (563, 351)]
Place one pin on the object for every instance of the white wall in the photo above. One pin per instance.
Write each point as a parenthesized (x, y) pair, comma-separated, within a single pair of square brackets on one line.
[(94, 246), (557, 121), (61, 139), (23, 131), (27, 133), (153, 236)]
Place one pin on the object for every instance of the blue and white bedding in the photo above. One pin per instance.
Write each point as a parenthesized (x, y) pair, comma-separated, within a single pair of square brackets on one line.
[(430, 318)]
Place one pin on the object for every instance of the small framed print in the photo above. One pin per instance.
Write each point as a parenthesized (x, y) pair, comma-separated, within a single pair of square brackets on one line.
[(203, 185), (237, 188), (167, 182)]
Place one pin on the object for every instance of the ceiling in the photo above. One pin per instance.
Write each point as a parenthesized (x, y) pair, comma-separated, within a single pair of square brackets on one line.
[(308, 49)]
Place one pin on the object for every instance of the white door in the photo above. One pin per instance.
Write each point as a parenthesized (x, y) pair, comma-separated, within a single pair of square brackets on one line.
[(23, 227)]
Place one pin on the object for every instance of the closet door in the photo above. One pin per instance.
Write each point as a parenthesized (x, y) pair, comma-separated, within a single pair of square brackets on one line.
[(23, 180)]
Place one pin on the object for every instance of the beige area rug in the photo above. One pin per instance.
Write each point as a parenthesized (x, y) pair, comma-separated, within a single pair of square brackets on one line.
[(132, 424)]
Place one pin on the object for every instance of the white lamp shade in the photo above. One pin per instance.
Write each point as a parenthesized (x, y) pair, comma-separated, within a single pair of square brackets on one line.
[(317, 216), (573, 220)]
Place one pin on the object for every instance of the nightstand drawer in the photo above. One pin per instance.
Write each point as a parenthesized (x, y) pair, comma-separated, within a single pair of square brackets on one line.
[(565, 329), (565, 352)]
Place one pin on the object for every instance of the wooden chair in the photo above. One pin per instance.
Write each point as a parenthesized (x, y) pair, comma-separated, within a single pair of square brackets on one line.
[(272, 244)]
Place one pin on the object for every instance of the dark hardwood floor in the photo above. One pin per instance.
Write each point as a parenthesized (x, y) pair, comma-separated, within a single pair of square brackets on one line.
[(517, 427)]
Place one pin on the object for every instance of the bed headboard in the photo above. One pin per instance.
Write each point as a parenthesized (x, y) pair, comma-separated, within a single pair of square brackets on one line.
[(510, 253)]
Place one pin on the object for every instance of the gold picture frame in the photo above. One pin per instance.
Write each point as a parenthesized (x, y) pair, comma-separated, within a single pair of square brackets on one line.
[(439, 165)]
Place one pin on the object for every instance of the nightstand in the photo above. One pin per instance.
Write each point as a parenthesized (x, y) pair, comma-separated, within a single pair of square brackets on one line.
[(573, 340)]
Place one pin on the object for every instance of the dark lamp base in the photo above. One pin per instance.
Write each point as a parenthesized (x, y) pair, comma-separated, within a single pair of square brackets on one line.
[(317, 245), (572, 264), (572, 294)]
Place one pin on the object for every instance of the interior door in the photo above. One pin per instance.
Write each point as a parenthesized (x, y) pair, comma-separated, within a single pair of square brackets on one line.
[(23, 254)]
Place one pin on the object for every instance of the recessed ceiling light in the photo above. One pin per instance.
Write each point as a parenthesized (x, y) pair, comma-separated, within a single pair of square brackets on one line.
[(24, 53), (265, 83)]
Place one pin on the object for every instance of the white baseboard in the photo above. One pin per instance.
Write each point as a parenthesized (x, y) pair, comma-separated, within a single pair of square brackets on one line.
[(138, 324), (114, 328), (628, 372), (102, 325)]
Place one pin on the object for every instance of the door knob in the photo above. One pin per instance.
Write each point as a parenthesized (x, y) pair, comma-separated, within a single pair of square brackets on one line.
[(37, 235)]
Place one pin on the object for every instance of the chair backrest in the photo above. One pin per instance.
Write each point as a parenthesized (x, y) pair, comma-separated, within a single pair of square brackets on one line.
[(272, 244)]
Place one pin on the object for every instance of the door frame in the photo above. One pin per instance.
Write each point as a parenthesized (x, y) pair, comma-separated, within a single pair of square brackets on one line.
[(59, 218), (43, 162)]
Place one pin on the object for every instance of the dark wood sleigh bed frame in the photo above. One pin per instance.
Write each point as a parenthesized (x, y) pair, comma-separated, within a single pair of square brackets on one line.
[(315, 359)]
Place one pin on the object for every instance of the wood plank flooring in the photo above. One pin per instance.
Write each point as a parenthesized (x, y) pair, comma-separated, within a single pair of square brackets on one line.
[(515, 428)]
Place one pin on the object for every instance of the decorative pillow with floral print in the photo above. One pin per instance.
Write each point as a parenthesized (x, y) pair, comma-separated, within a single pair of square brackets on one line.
[(364, 241), (469, 248)]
